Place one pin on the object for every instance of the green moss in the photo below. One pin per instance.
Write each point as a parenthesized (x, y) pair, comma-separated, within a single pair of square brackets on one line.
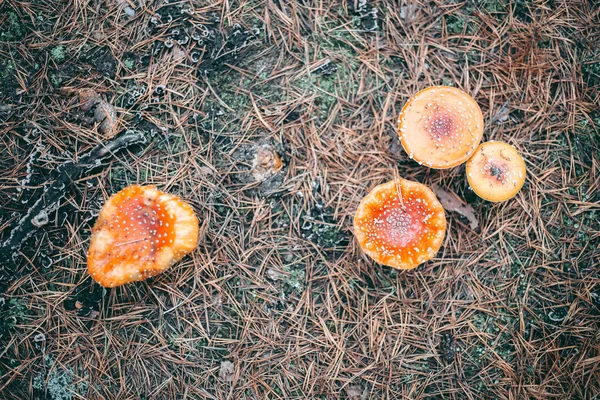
[(590, 69), (58, 53), (12, 312), (14, 30), (7, 67), (294, 280), (129, 63), (324, 88), (55, 79)]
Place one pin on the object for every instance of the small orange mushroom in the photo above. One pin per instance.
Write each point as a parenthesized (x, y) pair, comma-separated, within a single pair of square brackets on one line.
[(140, 233), (400, 224), (496, 172), (440, 127)]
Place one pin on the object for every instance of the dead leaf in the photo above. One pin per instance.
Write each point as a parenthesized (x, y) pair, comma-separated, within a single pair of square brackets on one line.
[(451, 202), (178, 53), (409, 12), (226, 371), (127, 8)]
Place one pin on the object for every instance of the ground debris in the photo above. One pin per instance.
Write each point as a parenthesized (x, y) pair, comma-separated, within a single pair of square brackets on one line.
[(41, 219), (508, 313), (447, 347), (104, 114), (451, 202), (356, 393), (266, 162), (260, 165), (106, 118), (320, 227), (409, 12), (54, 192), (88, 99), (226, 371), (126, 8), (97, 109)]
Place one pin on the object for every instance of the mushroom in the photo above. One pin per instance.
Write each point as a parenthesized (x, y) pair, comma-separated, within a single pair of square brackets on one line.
[(400, 224), (140, 233), (496, 172), (440, 127)]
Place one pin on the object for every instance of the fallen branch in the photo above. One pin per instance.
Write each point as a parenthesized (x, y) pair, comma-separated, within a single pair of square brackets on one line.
[(49, 201)]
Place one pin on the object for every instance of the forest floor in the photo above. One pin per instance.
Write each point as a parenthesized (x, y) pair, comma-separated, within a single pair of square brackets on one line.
[(278, 301)]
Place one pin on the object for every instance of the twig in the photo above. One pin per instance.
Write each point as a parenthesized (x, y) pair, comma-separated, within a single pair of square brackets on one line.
[(53, 193)]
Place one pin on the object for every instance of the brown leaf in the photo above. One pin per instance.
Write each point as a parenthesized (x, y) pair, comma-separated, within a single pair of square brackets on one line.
[(274, 274), (451, 202)]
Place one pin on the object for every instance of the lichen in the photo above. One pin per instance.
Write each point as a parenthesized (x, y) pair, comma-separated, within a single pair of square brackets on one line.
[(12, 312), (14, 29), (129, 63), (294, 279), (60, 383), (58, 53), (320, 227)]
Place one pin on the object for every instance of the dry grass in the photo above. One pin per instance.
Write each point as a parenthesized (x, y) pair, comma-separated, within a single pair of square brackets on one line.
[(277, 286)]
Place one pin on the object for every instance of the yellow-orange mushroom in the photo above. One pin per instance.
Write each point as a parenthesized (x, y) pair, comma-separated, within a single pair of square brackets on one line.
[(400, 224), (440, 127), (496, 172)]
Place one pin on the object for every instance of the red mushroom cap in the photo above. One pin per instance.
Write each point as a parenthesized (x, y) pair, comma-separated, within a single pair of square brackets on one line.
[(400, 231), (140, 232)]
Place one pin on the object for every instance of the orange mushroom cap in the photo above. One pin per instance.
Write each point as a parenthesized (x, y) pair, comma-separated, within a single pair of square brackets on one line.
[(440, 127), (140, 233), (400, 231), (496, 172)]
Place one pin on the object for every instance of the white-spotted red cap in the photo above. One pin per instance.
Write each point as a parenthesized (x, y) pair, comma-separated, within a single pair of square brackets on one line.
[(496, 172), (400, 231), (140, 233), (440, 127)]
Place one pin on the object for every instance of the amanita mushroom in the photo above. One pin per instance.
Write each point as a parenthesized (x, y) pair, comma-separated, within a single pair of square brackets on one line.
[(140, 233), (496, 172), (440, 127), (400, 224)]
